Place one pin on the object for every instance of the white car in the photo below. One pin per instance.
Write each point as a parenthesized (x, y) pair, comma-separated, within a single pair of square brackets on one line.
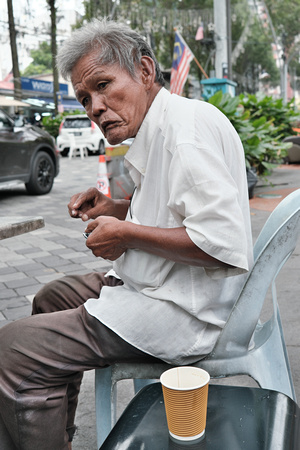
[(85, 132)]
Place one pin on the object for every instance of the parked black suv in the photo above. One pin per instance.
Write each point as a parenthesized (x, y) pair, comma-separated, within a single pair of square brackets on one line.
[(27, 154)]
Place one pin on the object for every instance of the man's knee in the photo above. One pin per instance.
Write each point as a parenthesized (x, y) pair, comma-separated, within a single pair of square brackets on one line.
[(49, 298), (40, 302), (65, 293)]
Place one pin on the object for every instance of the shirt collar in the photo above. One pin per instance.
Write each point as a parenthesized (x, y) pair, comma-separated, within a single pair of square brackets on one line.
[(137, 156)]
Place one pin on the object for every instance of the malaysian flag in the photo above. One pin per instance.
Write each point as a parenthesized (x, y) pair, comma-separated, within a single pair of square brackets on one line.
[(182, 57)]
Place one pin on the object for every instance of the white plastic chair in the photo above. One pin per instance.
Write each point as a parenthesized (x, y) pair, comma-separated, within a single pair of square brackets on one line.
[(76, 148), (246, 346)]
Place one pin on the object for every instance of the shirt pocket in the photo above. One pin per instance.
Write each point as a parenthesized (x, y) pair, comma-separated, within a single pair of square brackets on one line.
[(141, 269)]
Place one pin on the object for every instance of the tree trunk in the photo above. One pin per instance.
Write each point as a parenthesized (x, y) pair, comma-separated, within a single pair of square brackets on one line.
[(53, 10), (14, 52)]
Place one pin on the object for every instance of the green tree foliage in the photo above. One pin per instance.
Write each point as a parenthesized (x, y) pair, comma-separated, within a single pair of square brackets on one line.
[(256, 58), (157, 19), (94, 8), (42, 60), (285, 18), (52, 124)]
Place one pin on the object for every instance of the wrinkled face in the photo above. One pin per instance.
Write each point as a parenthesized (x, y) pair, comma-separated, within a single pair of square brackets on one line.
[(115, 101)]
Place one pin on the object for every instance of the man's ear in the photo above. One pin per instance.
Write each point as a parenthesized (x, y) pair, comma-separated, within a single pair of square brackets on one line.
[(148, 71)]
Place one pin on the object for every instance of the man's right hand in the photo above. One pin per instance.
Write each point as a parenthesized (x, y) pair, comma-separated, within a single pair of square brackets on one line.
[(90, 204)]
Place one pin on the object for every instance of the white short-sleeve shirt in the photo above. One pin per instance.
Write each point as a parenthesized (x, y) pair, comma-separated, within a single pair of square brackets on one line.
[(188, 165)]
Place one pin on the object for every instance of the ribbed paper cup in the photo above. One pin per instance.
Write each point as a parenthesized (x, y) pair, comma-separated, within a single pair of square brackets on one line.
[(185, 391)]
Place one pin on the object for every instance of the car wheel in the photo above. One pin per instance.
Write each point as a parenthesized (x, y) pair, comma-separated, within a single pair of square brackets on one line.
[(101, 150), (42, 175)]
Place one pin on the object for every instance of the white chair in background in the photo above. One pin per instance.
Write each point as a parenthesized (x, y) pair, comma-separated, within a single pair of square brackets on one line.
[(76, 149)]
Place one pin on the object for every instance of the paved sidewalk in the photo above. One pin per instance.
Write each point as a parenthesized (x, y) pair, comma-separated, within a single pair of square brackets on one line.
[(29, 261)]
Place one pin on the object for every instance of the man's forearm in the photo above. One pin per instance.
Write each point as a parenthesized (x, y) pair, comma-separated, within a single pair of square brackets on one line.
[(120, 209), (170, 243)]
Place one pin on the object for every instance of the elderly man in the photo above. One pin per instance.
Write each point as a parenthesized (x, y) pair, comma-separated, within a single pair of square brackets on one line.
[(181, 247)]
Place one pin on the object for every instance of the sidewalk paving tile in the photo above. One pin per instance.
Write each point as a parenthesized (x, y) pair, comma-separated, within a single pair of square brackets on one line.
[(47, 278), (17, 313), (7, 277), (29, 290), (15, 284)]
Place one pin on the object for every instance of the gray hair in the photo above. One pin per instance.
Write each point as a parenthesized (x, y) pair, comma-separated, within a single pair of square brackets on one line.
[(117, 44)]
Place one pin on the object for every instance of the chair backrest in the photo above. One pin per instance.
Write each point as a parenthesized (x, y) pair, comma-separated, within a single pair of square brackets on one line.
[(72, 141), (274, 245)]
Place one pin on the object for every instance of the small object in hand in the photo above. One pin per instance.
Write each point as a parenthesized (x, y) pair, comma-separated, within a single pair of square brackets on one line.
[(86, 235)]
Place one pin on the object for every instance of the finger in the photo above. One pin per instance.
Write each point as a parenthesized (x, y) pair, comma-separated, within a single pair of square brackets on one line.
[(91, 226), (79, 201), (80, 206), (88, 196), (75, 213), (89, 213), (73, 206)]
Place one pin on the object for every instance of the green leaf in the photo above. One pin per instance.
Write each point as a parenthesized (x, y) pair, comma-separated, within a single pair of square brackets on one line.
[(259, 122), (216, 98)]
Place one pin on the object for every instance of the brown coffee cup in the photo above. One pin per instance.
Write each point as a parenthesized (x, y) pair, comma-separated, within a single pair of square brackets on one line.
[(185, 391)]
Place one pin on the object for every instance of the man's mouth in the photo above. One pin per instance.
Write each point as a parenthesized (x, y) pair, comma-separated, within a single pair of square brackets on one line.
[(108, 125)]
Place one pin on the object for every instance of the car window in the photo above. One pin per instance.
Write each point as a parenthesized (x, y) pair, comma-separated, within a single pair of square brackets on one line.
[(4, 121), (77, 123)]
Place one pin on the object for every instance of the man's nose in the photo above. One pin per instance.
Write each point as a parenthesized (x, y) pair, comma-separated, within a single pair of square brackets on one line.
[(98, 105)]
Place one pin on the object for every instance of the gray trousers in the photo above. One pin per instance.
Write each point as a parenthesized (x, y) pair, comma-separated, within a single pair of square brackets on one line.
[(42, 359)]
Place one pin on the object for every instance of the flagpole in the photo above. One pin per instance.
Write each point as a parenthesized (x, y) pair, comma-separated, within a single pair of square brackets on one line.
[(200, 67), (195, 59)]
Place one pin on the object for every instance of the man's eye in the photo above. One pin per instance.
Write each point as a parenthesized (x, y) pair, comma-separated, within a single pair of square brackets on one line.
[(84, 101), (102, 85)]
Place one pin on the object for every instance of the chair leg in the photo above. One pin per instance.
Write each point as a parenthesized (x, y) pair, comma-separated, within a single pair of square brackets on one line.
[(104, 399), (270, 366), (280, 383)]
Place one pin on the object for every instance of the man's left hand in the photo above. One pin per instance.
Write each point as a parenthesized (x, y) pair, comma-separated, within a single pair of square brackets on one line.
[(107, 238)]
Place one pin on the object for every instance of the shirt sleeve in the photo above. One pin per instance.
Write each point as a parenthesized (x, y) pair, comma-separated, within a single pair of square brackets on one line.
[(205, 199)]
